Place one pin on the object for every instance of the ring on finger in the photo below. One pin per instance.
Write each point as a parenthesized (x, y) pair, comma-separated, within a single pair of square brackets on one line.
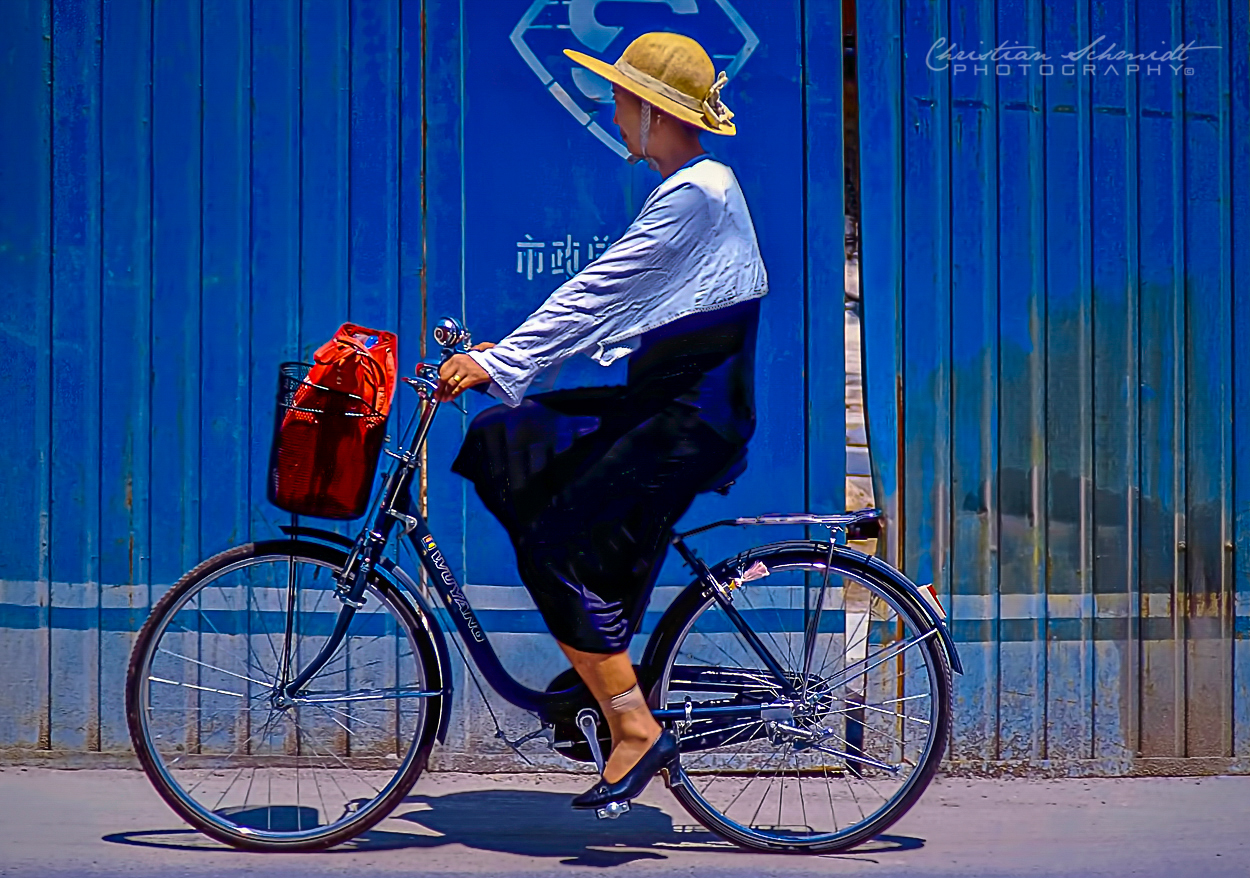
[(454, 379)]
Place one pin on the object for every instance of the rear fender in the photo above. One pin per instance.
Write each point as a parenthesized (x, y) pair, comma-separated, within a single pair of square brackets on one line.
[(675, 616), (885, 571)]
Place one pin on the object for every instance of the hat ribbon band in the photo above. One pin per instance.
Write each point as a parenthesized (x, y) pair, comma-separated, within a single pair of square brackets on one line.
[(715, 112)]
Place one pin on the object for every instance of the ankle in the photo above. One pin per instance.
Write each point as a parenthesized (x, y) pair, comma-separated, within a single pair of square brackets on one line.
[(640, 730)]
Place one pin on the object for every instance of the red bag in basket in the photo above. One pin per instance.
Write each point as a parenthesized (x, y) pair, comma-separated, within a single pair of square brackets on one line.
[(358, 361), (330, 436)]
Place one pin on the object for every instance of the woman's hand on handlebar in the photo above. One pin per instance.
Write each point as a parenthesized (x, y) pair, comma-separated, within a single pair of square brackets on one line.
[(483, 346), (458, 374)]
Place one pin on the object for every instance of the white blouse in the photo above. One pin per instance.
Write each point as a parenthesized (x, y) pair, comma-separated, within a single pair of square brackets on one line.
[(691, 248)]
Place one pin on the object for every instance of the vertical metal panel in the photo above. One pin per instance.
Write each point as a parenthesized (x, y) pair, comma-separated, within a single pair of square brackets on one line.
[(1120, 405), (1023, 562), (411, 291), (374, 173), (1065, 110), (275, 219), (325, 175), (176, 300), (974, 379), (226, 316), (76, 343), (374, 163), (125, 401), (1114, 171), (441, 175), (825, 254), (1208, 398), (926, 318), (1162, 360), (881, 271), (1239, 545), (25, 403)]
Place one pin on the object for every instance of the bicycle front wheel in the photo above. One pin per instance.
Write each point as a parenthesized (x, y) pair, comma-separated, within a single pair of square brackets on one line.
[(235, 759), (855, 742)]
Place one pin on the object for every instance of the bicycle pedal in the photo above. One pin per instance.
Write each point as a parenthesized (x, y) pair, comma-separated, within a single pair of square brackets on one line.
[(612, 810)]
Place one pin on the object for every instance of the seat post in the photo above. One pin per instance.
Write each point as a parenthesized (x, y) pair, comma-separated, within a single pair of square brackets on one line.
[(688, 555)]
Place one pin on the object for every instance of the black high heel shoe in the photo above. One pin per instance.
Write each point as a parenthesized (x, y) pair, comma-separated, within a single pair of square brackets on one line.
[(612, 799)]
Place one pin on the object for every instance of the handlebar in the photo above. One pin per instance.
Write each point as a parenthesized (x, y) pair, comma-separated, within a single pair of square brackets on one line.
[(452, 338)]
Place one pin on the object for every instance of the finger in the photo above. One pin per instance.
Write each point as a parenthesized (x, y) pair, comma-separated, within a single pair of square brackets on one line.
[(449, 368)]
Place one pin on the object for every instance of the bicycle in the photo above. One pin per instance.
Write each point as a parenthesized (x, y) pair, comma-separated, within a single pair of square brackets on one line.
[(270, 720)]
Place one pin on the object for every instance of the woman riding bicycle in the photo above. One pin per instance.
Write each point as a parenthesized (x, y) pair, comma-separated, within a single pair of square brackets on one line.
[(589, 482)]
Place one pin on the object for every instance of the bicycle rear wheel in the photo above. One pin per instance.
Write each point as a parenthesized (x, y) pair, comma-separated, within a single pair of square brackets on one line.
[(221, 746), (844, 759)]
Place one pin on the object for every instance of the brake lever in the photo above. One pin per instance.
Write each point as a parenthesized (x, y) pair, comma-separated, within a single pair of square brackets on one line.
[(426, 383)]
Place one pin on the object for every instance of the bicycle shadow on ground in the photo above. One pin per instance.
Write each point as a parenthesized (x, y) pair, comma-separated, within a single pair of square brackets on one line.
[(528, 823), (533, 823)]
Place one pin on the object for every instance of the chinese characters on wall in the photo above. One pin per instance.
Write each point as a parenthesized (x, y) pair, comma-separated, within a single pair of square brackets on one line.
[(559, 259)]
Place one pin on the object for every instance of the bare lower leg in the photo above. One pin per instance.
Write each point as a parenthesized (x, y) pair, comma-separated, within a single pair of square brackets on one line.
[(633, 732)]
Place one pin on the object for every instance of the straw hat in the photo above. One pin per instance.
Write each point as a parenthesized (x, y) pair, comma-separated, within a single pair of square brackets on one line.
[(672, 73)]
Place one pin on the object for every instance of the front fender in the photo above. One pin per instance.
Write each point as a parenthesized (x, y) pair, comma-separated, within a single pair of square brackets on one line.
[(315, 533), (400, 576)]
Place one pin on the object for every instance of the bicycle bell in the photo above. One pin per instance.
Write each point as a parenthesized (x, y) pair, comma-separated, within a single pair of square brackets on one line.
[(450, 334)]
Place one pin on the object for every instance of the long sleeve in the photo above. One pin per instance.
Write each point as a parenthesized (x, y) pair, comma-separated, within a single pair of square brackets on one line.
[(684, 252)]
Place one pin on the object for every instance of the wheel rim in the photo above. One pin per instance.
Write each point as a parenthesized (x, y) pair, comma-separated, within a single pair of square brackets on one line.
[(872, 704), (254, 768)]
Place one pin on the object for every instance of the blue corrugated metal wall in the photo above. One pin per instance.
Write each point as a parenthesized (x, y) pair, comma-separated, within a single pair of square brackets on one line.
[(1056, 280), (194, 190)]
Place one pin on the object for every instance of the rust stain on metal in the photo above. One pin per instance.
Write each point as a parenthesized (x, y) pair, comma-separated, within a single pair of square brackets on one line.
[(900, 516), (423, 488)]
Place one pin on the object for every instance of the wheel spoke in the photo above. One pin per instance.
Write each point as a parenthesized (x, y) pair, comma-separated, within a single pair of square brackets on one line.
[(198, 688), (215, 668), (881, 658), (850, 757)]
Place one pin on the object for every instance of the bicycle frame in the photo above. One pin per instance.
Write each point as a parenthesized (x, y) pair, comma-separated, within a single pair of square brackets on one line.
[(395, 506)]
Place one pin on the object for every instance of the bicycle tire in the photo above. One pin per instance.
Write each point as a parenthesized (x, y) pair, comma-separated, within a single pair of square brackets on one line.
[(415, 756), (666, 647)]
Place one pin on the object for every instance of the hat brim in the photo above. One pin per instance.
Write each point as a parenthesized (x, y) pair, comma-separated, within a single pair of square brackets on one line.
[(668, 105)]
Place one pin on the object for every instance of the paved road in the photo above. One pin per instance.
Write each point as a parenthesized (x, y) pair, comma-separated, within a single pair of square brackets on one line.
[(111, 823)]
